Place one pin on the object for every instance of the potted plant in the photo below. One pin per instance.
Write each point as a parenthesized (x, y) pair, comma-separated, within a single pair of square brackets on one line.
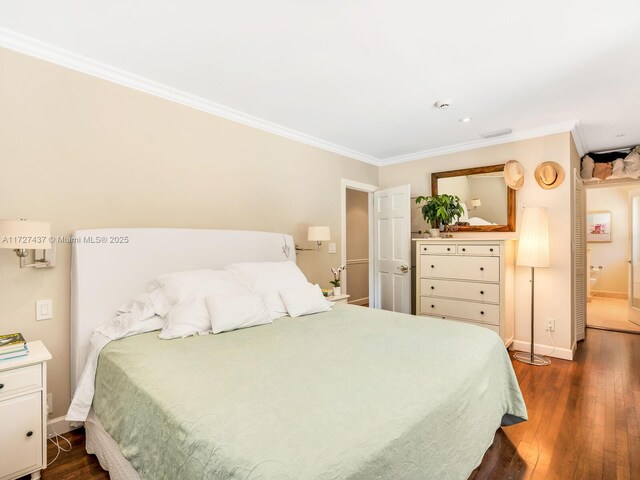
[(440, 211), (337, 273)]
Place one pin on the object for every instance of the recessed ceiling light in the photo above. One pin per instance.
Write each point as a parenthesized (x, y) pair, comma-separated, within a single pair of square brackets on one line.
[(465, 119), (443, 104)]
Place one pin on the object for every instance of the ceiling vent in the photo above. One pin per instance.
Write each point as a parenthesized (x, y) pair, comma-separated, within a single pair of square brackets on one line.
[(497, 133)]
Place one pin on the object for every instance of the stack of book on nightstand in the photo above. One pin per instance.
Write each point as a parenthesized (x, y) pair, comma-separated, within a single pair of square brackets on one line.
[(12, 346)]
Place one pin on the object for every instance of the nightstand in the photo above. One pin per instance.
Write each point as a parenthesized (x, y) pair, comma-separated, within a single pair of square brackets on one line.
[(344, 298), (23, 413)]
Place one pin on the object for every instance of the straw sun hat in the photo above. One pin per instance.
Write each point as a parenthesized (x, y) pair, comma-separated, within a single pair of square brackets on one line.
[(549, 175), (513, 174)]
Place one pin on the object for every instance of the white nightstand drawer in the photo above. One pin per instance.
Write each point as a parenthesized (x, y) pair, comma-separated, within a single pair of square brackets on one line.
[(490, 250), (20, 379), (485, 269), (478, 312), (440, 249), (479, 292), (21, 434)]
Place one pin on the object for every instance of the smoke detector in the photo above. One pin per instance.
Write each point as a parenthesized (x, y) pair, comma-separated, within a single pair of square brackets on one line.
[(443, 104)]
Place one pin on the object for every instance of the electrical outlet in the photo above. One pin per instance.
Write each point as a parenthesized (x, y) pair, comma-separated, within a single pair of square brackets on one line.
[(551, 325), (49, 403)]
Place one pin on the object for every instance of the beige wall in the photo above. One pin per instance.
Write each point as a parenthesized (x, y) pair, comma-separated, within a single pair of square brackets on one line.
[(357, 219), (81, 152), (553, 285), (612, 256)]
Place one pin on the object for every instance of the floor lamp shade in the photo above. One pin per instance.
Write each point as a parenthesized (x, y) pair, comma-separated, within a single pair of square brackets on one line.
[(533, 252), (533, 245)]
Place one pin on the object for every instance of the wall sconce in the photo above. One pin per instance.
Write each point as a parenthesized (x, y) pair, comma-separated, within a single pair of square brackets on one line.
[(475, 203), (316, 234), (22, 236)]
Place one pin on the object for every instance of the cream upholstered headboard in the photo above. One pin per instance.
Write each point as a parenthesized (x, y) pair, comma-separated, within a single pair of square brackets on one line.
[(110, 266)]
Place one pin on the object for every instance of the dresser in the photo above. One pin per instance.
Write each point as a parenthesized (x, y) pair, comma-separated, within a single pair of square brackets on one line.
[(23, 413), (467, 281)]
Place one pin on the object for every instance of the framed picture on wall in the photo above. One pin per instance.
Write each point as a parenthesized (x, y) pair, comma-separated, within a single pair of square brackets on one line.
[(598, 226)]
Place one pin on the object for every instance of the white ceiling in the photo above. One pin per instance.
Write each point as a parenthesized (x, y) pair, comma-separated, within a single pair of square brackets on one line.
[(361, 76)]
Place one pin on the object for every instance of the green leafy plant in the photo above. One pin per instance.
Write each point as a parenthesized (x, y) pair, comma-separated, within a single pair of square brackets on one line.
[(440, 209)]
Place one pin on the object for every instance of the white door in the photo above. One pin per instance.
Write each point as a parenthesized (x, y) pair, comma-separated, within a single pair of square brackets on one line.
[(634, 274), (392, 259)]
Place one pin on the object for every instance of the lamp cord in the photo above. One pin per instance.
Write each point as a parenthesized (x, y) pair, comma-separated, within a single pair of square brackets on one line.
[(55, 439)]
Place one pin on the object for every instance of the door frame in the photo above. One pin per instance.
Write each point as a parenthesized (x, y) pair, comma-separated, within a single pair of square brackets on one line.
[(362, 187)]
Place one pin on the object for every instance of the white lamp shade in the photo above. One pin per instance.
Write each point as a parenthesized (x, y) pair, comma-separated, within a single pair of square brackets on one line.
[(533, 246), (23, 234), (476, 202), (318, 234)]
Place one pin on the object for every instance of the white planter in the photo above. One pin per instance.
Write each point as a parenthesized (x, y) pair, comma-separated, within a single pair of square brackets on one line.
[(434, 232), (337, 290)]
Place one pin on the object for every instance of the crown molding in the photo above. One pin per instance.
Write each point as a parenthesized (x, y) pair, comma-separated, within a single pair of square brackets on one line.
[(484, 142), (59, 56), (579, 140)]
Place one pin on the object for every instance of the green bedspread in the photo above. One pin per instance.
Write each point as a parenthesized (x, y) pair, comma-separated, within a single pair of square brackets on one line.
[(354, 393)]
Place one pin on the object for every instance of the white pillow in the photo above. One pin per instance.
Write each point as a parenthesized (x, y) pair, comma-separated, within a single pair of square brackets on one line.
[(304, 300), (267, 279), (187, 318), (231, 312), (587, 168), (185, 286)]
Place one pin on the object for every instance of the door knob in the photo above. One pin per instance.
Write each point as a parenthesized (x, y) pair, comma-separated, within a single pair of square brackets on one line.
[(403, 268)]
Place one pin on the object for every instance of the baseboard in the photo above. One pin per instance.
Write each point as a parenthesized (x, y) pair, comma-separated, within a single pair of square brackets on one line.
[(60, 425), (621, 296), (360, 301), (562, 353)]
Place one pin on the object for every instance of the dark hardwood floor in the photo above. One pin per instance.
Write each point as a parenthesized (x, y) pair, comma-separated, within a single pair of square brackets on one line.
[(584, 419)]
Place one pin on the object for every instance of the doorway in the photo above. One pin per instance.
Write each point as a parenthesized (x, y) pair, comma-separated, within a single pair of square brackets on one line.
[(357, 213), (613, 248)]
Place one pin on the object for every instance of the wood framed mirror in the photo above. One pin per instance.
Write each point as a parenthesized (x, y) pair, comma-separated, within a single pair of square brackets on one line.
[(490, 206)]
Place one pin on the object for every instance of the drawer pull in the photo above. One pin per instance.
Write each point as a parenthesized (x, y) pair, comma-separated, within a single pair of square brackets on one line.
[(481, 292), (29, 433), (481, 312), (491, 249), (481, 269), (433, 306), (448, 249), (1, 386), (432, 287), (433, 266), (464, 249)]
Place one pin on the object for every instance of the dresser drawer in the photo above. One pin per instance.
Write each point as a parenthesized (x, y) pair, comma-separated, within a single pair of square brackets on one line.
[(478, 312), (439, 249), (479, 292), (485, 269), (20, 380), (490, 250)]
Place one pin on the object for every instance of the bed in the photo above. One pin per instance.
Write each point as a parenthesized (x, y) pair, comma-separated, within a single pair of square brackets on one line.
[(352, 393)]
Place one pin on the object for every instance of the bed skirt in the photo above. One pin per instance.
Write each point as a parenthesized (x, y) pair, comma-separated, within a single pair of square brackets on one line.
[(100, 444)]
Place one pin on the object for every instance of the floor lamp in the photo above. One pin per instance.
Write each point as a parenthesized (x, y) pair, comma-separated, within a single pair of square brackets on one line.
[(533, 251)]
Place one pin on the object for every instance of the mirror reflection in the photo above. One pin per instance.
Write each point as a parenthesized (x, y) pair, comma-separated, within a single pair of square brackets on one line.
[(483, 197)]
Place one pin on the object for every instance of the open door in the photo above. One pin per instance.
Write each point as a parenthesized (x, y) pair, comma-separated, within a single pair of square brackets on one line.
[(392, 259), (634, 271)]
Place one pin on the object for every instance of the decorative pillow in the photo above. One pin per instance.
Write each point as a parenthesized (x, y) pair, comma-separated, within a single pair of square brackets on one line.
[(187, 318), (632, 164), (231, 312), (185, 286), (602, 170), (617, 169), (304, 300), (267, 278), (587, 168)]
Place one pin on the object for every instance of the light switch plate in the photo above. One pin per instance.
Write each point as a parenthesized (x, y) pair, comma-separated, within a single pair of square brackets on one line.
[(332, 247), (44, 309)]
